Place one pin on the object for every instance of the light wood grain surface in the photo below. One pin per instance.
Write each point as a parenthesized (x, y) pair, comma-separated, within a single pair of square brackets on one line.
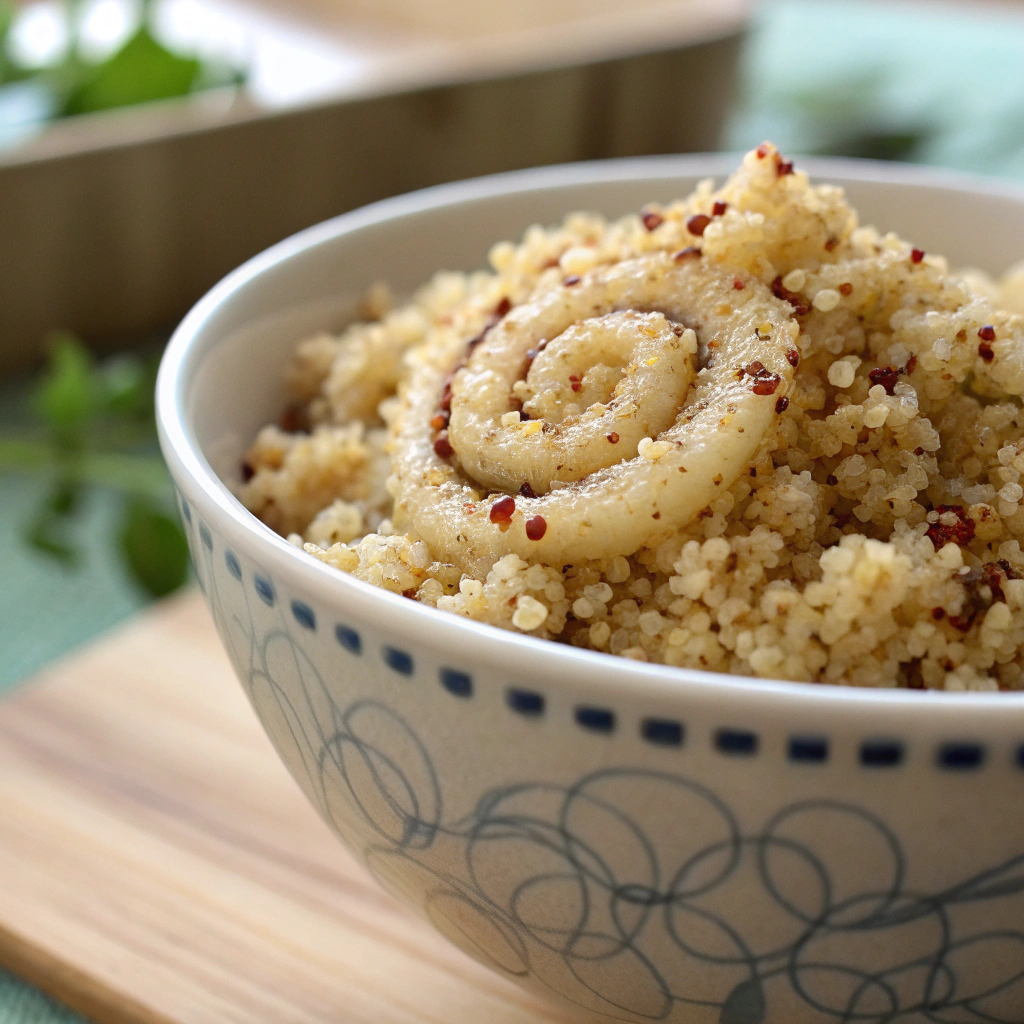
[(158, 865)]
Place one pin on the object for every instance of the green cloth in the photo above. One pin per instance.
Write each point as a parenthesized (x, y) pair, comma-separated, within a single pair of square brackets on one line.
[(941, 85), (46, 608), (936, 83), (22, 1004)]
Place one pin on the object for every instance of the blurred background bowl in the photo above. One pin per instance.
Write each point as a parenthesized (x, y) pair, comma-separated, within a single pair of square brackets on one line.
[(115, 222)]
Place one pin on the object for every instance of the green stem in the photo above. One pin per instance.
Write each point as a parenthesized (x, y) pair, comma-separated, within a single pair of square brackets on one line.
[(141, 475), (74, 13), (106, 434)]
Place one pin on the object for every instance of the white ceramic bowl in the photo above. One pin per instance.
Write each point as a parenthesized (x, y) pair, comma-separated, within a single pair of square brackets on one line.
[(646, 843)]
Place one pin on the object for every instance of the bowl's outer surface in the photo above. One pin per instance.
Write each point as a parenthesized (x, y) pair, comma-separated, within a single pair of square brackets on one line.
[(648, 844)]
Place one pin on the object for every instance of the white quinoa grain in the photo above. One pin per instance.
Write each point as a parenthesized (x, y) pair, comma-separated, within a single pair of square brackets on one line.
[(842, 373), (419, 555), (529, 614), (692, 586), (536, 577), (717, 549), (502, 256), (619, 570), (826, 300), (876, 416), (578, 259), (795, 280), (507, 567), (999, 617), (651, 623)]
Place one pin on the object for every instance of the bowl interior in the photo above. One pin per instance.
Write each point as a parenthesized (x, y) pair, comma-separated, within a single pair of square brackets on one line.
[(229, 382)]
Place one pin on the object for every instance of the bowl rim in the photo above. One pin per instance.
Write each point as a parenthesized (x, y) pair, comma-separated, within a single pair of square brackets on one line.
[(478, 641)]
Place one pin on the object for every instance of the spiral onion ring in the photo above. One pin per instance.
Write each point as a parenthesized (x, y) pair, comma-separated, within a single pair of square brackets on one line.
[(596, 497), (657, 356)]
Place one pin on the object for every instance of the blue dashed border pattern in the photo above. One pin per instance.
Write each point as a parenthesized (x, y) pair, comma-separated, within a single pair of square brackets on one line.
[(458, 683), (737, 742), (873, 753), (304, 615), (398, 660), (881, 753), (264, 590), (808, 749), (349, 639), (595, 719)]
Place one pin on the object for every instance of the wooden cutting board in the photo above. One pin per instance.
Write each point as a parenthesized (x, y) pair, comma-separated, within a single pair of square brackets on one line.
[(159, 866)]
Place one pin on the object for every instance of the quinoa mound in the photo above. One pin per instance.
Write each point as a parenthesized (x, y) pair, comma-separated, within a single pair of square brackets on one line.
[(873, 539)]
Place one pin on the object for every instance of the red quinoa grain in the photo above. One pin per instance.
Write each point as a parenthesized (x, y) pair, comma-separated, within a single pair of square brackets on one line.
[(961, 532), (502, 510), (697, 223), (442, 446), (887, 376), (536, 527)]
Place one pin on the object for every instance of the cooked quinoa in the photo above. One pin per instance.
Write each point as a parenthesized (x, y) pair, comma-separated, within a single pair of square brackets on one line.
[(864, 526)]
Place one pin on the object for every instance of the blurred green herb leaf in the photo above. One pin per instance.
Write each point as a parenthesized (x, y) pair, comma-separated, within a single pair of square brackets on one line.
[(127, 386), (843, 112), (154, 548), (6, 21), (141, 71), (67, 397), (50, 532), (97, 430)]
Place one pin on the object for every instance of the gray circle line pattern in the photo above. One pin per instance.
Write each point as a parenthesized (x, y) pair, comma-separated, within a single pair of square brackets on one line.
[(563, 882)]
